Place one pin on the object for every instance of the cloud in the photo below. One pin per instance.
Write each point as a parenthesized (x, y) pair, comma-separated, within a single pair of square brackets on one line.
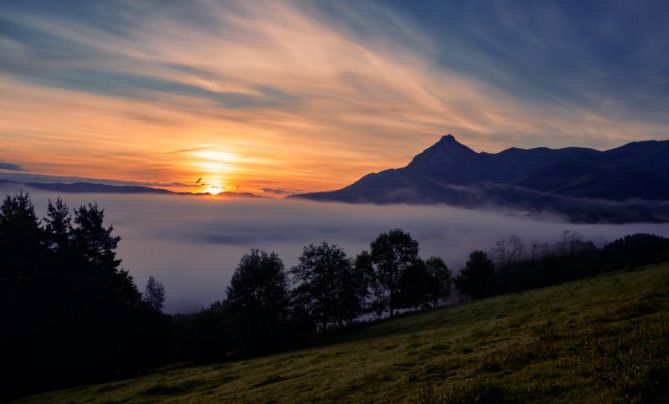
[(192, 244), (26, 177), (10, 166), (304, 90), (151, 88), (279, 191)]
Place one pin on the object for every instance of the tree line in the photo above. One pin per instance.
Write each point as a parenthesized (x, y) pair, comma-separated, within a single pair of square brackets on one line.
[(72, 315), (269, 307)]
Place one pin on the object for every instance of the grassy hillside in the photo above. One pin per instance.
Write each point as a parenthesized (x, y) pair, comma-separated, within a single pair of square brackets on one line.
[(603, 339)]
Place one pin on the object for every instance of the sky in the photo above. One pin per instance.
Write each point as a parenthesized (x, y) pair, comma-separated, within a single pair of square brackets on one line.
[(281, 97)]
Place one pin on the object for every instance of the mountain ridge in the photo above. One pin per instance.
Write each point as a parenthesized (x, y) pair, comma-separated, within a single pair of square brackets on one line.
[(95, 187), (536, 179)]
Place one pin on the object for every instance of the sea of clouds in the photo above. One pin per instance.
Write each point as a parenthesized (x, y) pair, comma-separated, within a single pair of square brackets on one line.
[(192, 243)]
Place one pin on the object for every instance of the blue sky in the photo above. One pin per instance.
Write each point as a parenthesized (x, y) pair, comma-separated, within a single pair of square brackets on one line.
[(311, 95)]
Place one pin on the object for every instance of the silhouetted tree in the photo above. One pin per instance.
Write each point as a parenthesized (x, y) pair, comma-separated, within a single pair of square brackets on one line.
[(259, 283), (326, 287), (70, 313), (634, 250), (506, 253), (154, 294), (258, 298), (21, 258), (414, 285), (440, 280), (478, 278), (112, 315), (95, 240), (367, 282), (391, 254), (58, 226), (210, 334), (570, 242), (112, 288), (20, 243), (353, 295)]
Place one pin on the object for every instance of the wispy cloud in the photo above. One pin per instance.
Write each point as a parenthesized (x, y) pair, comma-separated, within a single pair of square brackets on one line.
[(10, 166), (218, 232), (309, 95), (279, 191)]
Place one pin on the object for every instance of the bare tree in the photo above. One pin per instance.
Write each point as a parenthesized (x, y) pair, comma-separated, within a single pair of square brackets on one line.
[(154, 294), (505, 253)]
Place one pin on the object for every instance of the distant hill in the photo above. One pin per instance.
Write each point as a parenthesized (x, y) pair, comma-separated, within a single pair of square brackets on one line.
[(89, 187), (92, 187), (628, 183)]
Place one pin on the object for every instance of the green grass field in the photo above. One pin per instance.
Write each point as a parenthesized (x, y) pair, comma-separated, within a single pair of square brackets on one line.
[(603, 339)]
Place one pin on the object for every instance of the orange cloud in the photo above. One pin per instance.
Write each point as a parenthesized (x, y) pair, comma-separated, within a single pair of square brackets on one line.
[(270, 96)]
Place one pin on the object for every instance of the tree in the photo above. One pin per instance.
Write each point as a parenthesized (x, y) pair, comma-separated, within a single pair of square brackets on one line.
[(366, 282), (58, 226), (18, 221), (391, 254), (259, 283), (571, 240), (154, 294), (440, 279), (258, 299), (353, 294), (20, 243), (21, 258), (478, 278), (326, 287), (109, 323), (414, 285), (94, 240), (61, 286), (633, 250), (506, 253), (211, 332), (112, 286)]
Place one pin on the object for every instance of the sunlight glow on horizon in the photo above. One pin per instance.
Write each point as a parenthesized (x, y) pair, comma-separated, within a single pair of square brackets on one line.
[(216, 165), (292, 99), (215, 155)]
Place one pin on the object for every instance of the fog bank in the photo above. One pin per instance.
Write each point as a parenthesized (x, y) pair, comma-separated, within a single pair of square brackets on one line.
[(192, 244)]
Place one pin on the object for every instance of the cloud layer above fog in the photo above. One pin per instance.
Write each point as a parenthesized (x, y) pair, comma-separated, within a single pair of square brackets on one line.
[(192, 244)]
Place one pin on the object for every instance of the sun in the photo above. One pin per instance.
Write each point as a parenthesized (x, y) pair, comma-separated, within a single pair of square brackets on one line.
[(214, 187), (214, 166)]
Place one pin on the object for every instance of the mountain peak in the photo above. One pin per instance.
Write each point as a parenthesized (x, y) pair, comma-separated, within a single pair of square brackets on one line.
[(566, 180), (448, 137), (449, 143), (446, 151)]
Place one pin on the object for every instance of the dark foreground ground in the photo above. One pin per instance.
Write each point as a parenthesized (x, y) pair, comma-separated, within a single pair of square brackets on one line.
[(603, 339)]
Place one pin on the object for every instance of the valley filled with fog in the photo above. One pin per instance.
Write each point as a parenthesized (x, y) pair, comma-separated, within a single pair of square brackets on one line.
[(193, 243)]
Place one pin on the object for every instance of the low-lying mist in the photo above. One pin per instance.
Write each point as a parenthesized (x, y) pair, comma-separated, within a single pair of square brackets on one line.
[(192, 244)]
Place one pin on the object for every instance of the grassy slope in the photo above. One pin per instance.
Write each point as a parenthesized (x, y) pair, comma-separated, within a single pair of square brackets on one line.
[(602, 339)]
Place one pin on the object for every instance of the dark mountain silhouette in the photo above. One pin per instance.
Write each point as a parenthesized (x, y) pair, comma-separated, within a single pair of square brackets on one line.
[(92, 187), (629, 183)]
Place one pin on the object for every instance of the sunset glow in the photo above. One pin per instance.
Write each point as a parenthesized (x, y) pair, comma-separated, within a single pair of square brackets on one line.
[(285, 96), (240, 200), (216, 167)]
